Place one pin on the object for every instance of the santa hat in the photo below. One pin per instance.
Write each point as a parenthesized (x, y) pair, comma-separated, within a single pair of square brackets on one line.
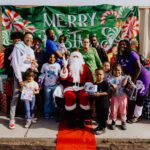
[(78, 54)]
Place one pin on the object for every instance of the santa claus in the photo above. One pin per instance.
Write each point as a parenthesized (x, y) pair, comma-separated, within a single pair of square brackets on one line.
[(75, 75)]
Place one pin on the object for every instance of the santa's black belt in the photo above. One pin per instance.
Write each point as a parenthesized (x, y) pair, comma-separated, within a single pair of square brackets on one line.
[(75, 84)]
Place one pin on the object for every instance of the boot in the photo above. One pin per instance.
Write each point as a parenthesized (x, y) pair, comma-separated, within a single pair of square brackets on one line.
[(71, 119), (82, 116)]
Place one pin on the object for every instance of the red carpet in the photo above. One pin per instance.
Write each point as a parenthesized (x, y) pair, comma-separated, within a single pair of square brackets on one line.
[(75, 139)]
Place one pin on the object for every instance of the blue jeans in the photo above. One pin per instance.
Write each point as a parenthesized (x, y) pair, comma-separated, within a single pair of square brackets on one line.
[(29, 107), (49, 106)]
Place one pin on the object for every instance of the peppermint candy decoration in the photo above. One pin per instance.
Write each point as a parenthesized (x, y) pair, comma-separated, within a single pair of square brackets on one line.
[(131, 28), (12, 20), (107, 13), (6, 37), (28, 26)]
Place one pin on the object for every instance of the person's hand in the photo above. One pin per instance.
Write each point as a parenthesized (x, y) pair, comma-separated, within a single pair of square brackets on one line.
[(97, 94), (21, 83)]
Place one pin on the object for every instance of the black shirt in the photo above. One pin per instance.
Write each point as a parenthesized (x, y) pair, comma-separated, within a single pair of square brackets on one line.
[(102, 54), (8, 67), (103, 87)]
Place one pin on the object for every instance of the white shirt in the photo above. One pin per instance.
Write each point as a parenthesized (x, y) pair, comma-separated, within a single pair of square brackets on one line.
[(51, 73)]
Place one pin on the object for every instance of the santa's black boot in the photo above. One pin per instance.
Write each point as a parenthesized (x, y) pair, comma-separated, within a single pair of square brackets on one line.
[(71, 119), (82, 115)]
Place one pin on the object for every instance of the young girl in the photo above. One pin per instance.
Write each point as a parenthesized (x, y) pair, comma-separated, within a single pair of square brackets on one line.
[(107, 70), (119, 98), (101, 101), (50, 74), (29, 89), (61, 46)]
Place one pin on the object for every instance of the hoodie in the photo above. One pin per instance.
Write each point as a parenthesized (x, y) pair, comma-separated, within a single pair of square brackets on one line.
[(21, 59)]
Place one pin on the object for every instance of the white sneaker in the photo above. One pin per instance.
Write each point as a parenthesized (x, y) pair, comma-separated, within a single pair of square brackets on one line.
[(34, 120), (28, 123), (12, 123)]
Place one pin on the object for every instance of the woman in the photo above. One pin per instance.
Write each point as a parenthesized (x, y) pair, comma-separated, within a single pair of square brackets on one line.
[(90, 56), (132, 66), (21, 59)]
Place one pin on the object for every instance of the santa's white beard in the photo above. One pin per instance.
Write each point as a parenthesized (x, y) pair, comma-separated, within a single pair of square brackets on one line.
[(76, 69)]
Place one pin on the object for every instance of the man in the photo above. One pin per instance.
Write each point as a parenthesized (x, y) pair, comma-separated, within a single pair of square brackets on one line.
[(15, 37), (51, 45), (101, 52), (75, 76)]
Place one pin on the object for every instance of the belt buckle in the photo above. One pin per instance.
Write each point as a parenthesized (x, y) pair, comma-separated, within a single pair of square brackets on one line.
[(77, 84)]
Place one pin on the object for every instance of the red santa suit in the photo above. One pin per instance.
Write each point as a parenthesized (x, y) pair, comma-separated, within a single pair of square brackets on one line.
[(74, 88)]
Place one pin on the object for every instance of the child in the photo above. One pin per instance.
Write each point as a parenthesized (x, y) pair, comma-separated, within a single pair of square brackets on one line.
[(119, 98), (50, 74), (101, 101), (29, 89), (107, 70), (61, 46)]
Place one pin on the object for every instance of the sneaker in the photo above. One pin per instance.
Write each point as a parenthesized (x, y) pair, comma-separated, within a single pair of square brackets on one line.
[(99, 130), (134, 119), (34, 120), (123, 126), (129, 121), (12, 123), (28, 123), (113, 125)]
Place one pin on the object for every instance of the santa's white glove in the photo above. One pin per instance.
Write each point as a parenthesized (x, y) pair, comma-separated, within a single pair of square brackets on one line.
[(65, 62)]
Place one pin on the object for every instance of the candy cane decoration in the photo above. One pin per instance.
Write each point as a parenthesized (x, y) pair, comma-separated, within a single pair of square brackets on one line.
[(2, 59), (107, 13)]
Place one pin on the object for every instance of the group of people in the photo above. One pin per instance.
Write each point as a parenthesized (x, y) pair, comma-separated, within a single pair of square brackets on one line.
[(63, 74)]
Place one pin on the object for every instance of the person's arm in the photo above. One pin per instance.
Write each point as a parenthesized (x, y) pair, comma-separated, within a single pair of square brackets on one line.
[(124, 82), (137, 65), (16, 56), (51, 47), (137, 70), (98, 94), (59, 54), (97, 59)]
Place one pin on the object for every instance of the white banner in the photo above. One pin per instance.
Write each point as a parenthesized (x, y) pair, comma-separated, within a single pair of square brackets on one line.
[(76, 2)]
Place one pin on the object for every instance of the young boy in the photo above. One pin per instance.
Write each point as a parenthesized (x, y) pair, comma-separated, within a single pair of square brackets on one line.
[(101, 101)]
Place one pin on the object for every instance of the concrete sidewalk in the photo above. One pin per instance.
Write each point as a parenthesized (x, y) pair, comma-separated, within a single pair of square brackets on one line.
[(42, 136), (49, 128)]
